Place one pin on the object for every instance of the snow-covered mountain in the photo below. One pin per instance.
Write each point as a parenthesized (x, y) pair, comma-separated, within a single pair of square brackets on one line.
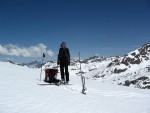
[(33, 64), (129, 70)]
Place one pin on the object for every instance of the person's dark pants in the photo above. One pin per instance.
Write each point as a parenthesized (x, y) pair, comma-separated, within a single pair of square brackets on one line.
[(64, 67)]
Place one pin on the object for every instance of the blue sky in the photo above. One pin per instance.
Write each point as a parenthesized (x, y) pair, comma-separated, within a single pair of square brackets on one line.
[(104, 27)]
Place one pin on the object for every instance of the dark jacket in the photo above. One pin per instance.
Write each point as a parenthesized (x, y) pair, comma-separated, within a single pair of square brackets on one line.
[(64, 56)]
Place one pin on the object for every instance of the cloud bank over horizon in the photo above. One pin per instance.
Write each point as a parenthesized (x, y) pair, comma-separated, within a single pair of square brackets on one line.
[(31, 51)]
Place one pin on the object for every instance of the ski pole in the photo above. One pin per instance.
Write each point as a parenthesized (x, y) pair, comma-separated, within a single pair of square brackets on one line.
[(42, 65)]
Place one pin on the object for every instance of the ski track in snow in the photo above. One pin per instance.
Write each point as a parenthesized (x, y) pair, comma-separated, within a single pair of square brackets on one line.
[(19, 93)]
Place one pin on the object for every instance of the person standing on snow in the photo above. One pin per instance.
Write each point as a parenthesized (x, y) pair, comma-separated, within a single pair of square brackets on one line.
[(64, 60)]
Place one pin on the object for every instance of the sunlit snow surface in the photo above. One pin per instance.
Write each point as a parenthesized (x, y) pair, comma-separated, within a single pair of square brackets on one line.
[(19, 93)]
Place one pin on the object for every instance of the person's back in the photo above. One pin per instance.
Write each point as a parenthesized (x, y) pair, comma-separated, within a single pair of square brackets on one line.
[(64, 56), (64, 61)]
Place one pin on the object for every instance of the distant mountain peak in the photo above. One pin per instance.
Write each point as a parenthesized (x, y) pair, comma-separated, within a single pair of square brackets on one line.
[(145, 49), (137, 56)]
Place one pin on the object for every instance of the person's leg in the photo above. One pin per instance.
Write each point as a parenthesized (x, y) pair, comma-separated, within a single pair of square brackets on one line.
[(62, 71), (66, 73)]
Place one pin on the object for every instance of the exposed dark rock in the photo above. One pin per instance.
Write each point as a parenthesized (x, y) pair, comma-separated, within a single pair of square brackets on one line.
[(146, 87), (103, 75), (92, 69), (143, 78), (11, 62), (114, 62), (129, 60), (133, 54), (127, 83), (93, 59), (110, 64), (96, 76), (117, 71), (146, 82)]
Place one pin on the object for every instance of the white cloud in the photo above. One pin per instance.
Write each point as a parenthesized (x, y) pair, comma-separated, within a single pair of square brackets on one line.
[(32, 51)]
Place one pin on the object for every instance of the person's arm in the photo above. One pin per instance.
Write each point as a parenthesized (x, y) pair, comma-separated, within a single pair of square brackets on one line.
[(68, 57), (58, 58)]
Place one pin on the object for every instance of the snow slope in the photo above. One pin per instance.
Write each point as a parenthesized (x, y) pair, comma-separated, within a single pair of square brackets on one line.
[(19, 93)]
